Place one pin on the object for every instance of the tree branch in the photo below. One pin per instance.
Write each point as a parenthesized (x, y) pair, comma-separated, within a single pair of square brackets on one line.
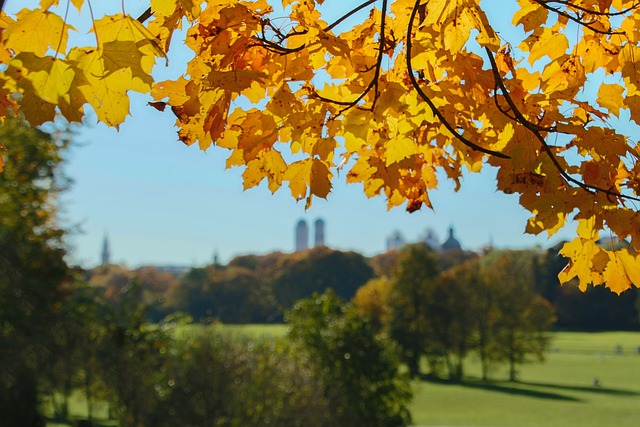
[(145, 15), (578, 20), (374, 81), (534, 129), (430, 103)]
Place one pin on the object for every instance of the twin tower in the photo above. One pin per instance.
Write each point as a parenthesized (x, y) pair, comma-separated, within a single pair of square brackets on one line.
[(302, 234)]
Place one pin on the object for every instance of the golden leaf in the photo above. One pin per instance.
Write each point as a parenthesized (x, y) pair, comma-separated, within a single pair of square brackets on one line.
[(320, 180), (51, 78), (622, 271), (581, 253), (37, 31), (163, 7), (610, 97), (530, 15)]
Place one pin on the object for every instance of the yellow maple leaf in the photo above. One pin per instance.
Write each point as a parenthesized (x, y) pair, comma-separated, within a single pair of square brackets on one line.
[(580, 253), (622, 271), (297, 174), (549, 43), (610, 97), (175, 90), (530, 15), (50, 78), (124, 54), (268, 164), (320, 180), (36, 110), (105, 92), (163, 7), (37, 31)]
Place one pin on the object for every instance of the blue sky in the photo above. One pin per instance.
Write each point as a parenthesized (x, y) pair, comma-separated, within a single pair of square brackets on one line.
[(161, 202)]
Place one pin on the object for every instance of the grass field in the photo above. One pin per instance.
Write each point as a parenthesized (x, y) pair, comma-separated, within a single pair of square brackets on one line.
[(556, 393)]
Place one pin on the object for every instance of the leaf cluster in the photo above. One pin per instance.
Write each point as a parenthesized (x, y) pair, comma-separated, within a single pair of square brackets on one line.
[(400, 97)]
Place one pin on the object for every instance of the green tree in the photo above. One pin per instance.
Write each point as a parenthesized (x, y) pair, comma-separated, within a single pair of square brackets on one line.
[(301, 274), (414, 279), (356, 367), (229, 295), (77, 340), (133, 357), (451, 316), (522, 317), (156, 286), (32, 266)]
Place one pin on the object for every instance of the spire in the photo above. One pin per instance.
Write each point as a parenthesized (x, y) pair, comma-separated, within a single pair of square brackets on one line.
[(106, 254)]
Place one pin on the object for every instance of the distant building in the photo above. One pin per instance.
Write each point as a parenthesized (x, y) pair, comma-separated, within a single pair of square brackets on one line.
[(451, 243), (430, 238), (106, 254), (319, 233), (302, 236), (395, 241)]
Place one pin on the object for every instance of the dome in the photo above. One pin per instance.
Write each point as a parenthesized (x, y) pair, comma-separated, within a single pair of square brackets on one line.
[(451, 243)]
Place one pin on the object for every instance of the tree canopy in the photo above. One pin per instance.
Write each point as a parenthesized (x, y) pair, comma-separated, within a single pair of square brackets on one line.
[(397, 93)]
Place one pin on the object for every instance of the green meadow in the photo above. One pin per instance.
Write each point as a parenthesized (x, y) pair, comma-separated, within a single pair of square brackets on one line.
[(559, 392)]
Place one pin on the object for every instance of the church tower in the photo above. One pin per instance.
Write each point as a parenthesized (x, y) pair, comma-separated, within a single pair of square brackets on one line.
[(319, 228), (106, 254), (302, 236)]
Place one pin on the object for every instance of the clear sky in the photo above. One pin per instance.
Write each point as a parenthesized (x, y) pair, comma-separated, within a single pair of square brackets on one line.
[(160, 202)]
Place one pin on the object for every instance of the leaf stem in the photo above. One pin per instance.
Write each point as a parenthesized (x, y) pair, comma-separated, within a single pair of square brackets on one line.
[(64, 27), (93, 22)]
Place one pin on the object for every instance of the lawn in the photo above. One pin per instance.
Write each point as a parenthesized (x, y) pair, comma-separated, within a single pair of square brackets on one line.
[(557, 393)]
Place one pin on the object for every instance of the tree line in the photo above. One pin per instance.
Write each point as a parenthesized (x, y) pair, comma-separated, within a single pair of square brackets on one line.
[(260, 288)]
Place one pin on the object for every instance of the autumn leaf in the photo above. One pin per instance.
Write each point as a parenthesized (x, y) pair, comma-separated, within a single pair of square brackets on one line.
[(37, 31), (622, 271), (610, 98)]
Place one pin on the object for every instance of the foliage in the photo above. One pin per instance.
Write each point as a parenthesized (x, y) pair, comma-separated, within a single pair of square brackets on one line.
[(356, 368), (372, 300), (32, 268), (215, 379), (412, 92), (487, 305), (301, 274), (228, 295)]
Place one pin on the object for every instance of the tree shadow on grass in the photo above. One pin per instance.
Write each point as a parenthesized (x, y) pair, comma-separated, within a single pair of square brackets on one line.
[(589, 389), (512, 388)]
